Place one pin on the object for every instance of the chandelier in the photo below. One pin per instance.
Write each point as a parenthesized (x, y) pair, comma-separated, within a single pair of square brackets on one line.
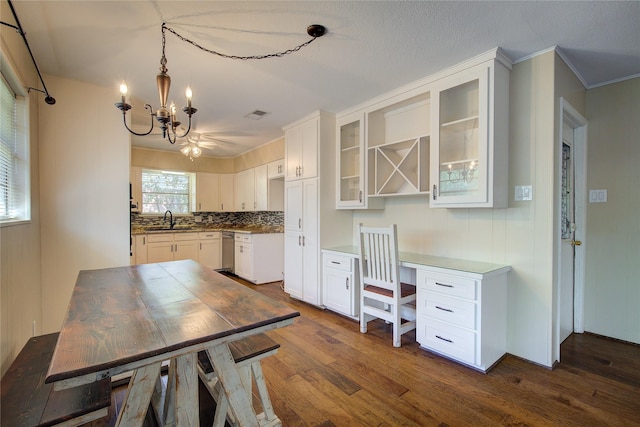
[(166, 116)]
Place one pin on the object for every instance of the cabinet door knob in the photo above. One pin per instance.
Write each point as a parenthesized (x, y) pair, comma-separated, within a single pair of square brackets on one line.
[(347, 283), (299, 240), (299, 222)]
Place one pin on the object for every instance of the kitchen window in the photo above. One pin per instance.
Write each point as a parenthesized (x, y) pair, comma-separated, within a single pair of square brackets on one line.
[(15, 202), (167, 190)]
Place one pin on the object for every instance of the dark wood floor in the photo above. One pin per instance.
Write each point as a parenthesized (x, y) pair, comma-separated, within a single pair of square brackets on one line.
[(327, 373)]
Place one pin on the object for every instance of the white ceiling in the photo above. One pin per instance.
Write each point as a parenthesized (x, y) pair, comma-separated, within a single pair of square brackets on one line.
[(371, 47)]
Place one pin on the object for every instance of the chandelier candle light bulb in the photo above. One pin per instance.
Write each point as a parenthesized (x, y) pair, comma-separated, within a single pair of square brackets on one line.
[(123, 92)]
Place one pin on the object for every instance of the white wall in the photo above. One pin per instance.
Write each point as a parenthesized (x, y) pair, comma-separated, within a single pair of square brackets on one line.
[(84, 181), (612, 295), (20, 290)]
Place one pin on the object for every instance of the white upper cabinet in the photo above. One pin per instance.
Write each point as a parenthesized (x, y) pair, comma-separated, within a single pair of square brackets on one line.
[(351, 167), (301, 149), (207, 192), (226, 192), (275, 169), (469, 142), (261, 188), (245, 190)]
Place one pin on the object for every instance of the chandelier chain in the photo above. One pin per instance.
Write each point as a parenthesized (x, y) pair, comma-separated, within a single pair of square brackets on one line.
[(224, 55)]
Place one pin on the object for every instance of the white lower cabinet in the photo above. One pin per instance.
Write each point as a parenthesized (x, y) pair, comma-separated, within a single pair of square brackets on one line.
[(462, 316), (139, 249), (210, 249), (203, 247), (172, 247), (259, 258), (340, 283)]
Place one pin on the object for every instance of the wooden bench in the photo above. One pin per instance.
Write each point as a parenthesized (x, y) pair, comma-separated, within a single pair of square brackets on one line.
[(28, 401), (247, 354)]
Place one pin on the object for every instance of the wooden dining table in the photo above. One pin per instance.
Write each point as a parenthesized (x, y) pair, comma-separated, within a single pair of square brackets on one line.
[(132, 319)]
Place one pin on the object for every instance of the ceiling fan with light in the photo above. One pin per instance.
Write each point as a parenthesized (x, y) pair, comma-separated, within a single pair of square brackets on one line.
[(195, 142)]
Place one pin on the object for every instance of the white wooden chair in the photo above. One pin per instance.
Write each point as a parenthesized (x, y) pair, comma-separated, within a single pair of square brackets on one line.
[(382, 295)]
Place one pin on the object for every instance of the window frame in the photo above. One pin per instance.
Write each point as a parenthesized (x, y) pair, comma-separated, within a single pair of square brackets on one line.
[(191, 191), (21, 152)]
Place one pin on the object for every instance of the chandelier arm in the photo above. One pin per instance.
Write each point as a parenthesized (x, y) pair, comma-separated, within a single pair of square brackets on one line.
[(124, 119), (244, 58), (175, 137), (186, 132)]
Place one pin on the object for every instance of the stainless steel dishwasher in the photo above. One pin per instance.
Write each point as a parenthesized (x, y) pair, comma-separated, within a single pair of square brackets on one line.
[(228, 251)]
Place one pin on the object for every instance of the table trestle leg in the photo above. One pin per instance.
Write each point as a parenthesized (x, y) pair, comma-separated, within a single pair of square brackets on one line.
[(249, 371), (136, 402)]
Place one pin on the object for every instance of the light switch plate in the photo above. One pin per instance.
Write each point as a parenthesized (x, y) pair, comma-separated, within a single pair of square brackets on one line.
[(597, 196), (523, 192)]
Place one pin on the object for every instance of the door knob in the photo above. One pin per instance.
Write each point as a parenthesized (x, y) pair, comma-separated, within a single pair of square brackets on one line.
[(576, 243)]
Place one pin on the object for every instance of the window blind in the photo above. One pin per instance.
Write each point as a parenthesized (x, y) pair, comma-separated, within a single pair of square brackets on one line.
[(14, 156)]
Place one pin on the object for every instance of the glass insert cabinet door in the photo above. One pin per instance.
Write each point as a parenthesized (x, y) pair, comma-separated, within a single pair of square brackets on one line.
[(459, 145), (350, 137)]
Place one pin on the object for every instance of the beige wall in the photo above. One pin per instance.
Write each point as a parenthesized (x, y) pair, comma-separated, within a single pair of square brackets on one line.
[(168, 160), (84, 182), (612, 294), (157, 159), (266, 153), (20, 287)]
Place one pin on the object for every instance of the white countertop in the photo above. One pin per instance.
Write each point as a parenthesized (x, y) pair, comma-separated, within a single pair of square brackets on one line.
[(416, 260)]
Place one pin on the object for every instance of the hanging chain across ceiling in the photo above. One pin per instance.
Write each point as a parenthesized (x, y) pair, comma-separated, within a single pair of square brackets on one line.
[(314, 31)]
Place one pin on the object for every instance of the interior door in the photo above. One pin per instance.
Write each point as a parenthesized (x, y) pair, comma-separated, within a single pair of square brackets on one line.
[(567, 235)]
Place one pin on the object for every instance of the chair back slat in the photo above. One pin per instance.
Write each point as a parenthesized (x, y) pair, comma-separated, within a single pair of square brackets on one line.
[(378, 256)]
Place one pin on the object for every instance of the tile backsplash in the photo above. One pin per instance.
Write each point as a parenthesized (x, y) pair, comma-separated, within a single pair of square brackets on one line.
[(235, 218)]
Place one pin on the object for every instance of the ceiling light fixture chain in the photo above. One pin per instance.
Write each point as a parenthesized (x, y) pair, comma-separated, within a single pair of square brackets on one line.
[(314, 31), (166, 115)]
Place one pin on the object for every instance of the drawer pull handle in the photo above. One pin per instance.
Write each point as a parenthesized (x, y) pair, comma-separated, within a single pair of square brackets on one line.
[(444, 284), (444, 339), (444, 309), (335, 262)]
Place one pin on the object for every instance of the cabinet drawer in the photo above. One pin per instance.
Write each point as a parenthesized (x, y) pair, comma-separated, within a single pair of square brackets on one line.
[(162, 237), (457, 311), (449, 340), (449, 285), (179, 237), (243, 238), (209, 235), (338, 262)]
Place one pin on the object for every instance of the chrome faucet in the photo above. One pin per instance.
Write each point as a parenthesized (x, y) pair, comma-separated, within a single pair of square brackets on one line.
[(171, 223)]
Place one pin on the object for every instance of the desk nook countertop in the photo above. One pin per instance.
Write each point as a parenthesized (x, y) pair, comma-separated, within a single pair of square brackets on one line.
[(416, 260), (461, 305)]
